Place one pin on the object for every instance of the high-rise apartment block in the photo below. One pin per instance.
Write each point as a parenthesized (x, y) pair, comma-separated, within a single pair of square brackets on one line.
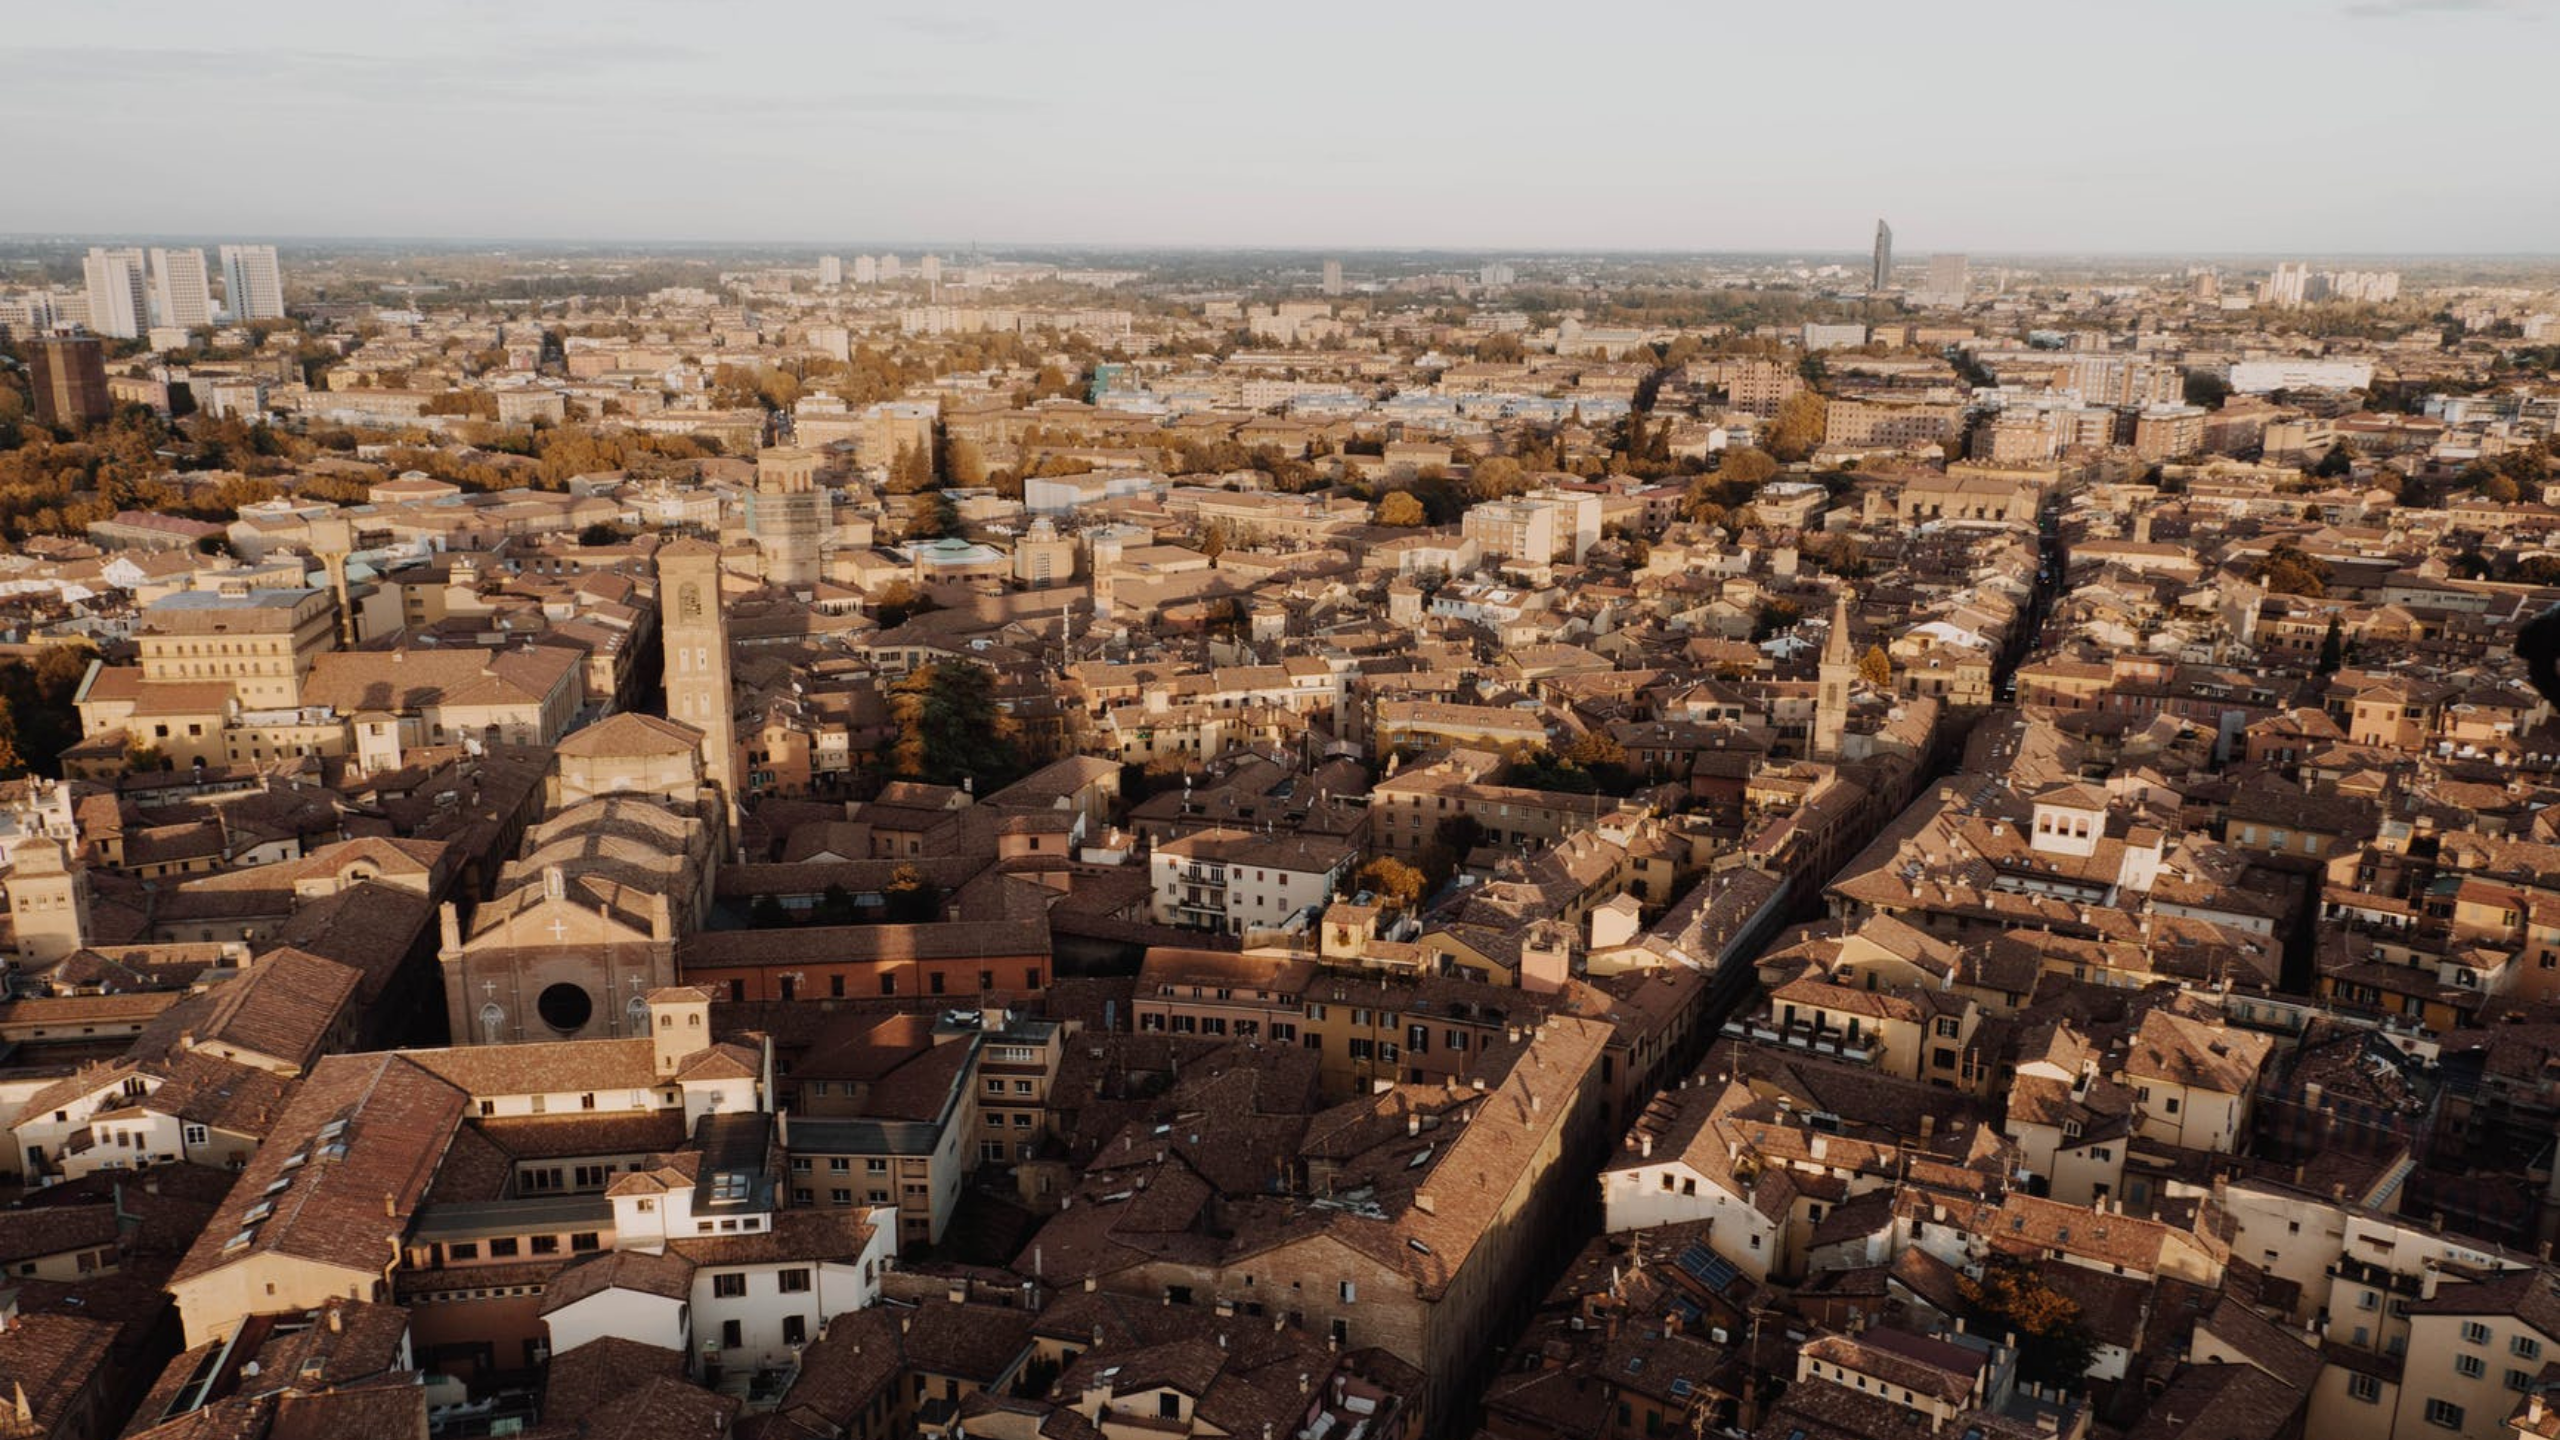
[(1948, 281), (866, 270), (889, 269), (1333, 277), (2288, 287), (70, 375), (252, 286), (119, 292), (1882, 275), (831, 271), (931, 269), (181, 293)]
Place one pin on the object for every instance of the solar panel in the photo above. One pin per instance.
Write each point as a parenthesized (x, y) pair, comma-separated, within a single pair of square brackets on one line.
[(1696, 1259)]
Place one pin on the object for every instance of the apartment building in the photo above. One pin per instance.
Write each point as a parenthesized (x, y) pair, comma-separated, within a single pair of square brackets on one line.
[(1241, 883)]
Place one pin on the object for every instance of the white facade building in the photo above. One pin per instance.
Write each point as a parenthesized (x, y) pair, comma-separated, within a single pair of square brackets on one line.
[(181, 293), (119, 292), (252, 286)]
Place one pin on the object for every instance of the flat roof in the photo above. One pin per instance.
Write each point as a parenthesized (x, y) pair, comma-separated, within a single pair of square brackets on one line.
[(531, 1215)]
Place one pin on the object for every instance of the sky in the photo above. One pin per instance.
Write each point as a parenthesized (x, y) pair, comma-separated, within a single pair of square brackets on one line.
[(2319, 127)]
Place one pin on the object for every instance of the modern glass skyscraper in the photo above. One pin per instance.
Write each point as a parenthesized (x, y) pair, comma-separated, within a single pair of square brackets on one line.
[(1883, 275)]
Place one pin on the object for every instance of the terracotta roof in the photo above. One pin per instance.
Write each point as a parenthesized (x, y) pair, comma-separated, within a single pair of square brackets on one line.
[(348, 1198), (667, 1276)]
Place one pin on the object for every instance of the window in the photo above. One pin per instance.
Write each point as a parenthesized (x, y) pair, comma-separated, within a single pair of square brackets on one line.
[(2367, 1300), (732, 1335), (732, 1286), (1350, 1292), (2525, 1347), (2365, 1388), (546, 1244), (2519, 1381), (795, 1329), (583, 1241), (198, 1135), (2471, 1366), (503, 1248), (795, 1281), (462, 1250), (1168, 1405), (2474, 1333)]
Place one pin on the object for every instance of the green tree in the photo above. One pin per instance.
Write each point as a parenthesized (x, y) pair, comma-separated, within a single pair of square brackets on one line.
[(2207, 389), (948, 728), (2333, 648)]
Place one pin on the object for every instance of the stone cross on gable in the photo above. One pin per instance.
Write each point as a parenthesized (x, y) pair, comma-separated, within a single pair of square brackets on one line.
[(559, 929)]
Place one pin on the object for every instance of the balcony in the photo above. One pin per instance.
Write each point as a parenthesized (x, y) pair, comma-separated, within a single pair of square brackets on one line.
[(1767, 1029)]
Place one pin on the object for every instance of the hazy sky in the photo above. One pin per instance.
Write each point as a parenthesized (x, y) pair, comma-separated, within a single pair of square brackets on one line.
[(2312, 126)]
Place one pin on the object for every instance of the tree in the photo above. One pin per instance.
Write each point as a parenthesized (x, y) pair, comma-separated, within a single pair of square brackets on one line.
[(948, 728), (600, 533), (1747, 466), (1399, 509), (2333, 648), (1496, 476), (2286, 570), (2054, 1346), (2207, 389), (911, 472), (2340, 460), (898, 602), (2500, 490), (1213, 539), (1876, 668), (1798, 432), (909, 898), (1392, 880), (965, 463)]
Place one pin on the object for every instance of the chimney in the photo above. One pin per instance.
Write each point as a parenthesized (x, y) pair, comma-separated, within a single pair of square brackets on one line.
[(337, 1320), (390, 1204)]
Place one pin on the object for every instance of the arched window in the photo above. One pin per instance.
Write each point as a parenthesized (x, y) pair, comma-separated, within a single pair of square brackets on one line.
[(638, 1012), (493, 1018)]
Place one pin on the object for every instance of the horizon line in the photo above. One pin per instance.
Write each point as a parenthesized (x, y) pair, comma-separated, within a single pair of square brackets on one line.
[(821, 247)]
